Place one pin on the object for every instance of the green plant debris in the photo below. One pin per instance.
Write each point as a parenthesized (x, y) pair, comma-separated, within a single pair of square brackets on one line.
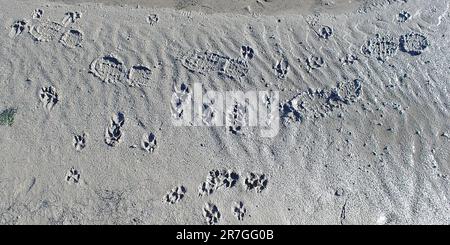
[(7, 116)]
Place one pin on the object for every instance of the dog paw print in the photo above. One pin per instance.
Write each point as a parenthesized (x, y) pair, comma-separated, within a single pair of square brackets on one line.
[(148, 142), (18, 28), (175, 195), (73, 176), (256, 182), (247, 52), (228, 178), (38, 13), (71, 17), (403, 16), (315, 62), (325, 32), (211, 214), (79, 141), (349, 59), (152, 19), (239, 210), (113, 133), (49, 97)]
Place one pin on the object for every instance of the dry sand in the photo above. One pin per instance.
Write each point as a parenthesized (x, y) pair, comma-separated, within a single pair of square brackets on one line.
[(364, 103)]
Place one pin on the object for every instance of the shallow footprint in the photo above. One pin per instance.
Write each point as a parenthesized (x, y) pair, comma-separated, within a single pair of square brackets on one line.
[(46, 31), (380, 46), (113, 134), (72, 39), (109, 69), (17, 28)]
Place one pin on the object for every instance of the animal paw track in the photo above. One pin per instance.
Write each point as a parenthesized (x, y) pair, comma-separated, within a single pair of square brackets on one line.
[(316, 104), (175, 195), (237, 118), (37, 14), (109, 69), (148, 142), (7, 116), (256, 182), (118, 120), (247, 52), (113, 133), (211, 113), (217, 179), (234, 68), (349, 59), (73, 176), (71, 17), (18, 28), (315, 62), (46, 31), (211, 214), (414, 43), (152, 19), (403, 16), (79, 141), (346, 92), (139, 75), (202, 62), (72, 39), (181, 103), (291, 111), (113, 136), (49, 97), (281, 68), (325, 32), (382, 47), (239, 210)]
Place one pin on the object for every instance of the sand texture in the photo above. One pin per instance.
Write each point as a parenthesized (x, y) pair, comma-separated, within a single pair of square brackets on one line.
[(90, 91)]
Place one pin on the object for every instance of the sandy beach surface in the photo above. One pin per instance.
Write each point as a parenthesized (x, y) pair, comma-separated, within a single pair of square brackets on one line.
[(93, 93)]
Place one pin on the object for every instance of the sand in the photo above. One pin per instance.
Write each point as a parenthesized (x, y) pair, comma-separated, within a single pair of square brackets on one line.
[(91, 94)]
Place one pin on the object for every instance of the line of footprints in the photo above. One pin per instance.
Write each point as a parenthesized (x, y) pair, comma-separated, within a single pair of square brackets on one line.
[(111, 69), (113, 133), (48, 31), (220, 179), (215, 180)]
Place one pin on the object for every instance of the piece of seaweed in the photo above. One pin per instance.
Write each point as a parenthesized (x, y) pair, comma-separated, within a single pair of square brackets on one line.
[(7, 116)]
